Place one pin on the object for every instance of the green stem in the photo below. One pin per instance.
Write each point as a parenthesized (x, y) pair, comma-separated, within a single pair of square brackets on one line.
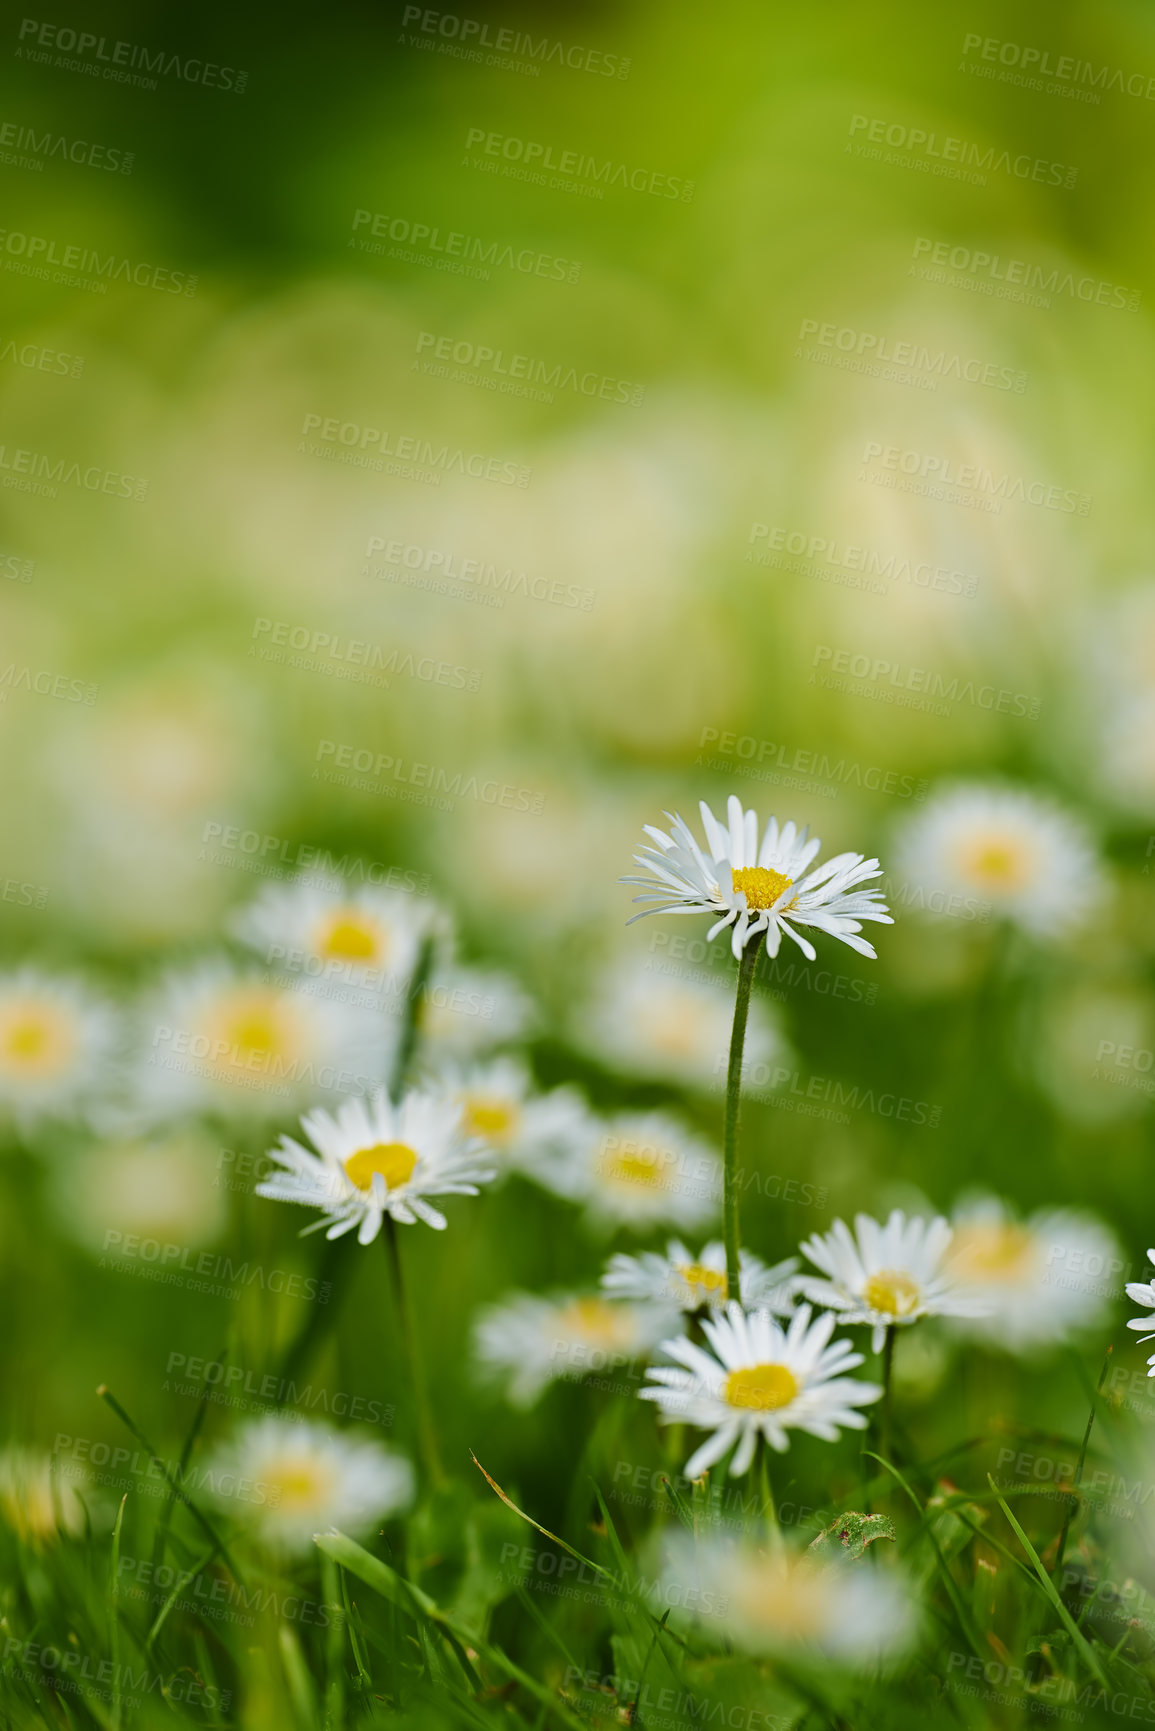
[(427, 1434), (1078, 1479), (769, 1507), (746, 970), (887, 1391), (407, 1041)]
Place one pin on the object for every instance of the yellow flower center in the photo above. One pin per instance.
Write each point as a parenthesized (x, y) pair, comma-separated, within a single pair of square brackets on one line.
[(597, 1322), (760, 1388), (349, 936), (999, 863), (992, 1252), (706, 1284), (634, 1165), (300, 1484), (761, 886), (487, 1115), (394, 1160), (892, 1293), (34, 1041)]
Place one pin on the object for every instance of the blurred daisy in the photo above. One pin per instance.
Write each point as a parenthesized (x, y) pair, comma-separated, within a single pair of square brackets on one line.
[(294, 1479), (649, 1023), (223, 1039), (759, 1379), (370, 933), (376, 1158), (1143, 1292), (167, 1187), (57, 1041), (522, 1130), (693, 1282), (1039, 1279), (41, 1498), (528, 1340), (1033, 862), (639, 1170), (885, 1275), (468, 1011), (758, 888), (786, 1602)]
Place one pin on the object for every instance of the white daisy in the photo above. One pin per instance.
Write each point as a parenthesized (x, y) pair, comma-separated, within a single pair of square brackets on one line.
[(368, 935), (1032, 861), (221, 1039), (647, 1022), (1143, 1292), (523, 1131), (165, 1187), (787, 1602), (885, 1275), (468, 1011), (42, 1498), (1040, 1279), (528, 1340), (691, 1282), (294, 1479), (639, 1169), (57, 1043), (760, 1379), (376, 1158), (758, 888)]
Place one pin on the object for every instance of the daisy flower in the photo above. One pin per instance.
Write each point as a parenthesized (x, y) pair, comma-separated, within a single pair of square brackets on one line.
[(41, 1498), (57, 1041), (885, 1275), (294, 1479), (1143, 1292), (523, 1131), (1039, 1279), (468, 1011), (369, 935), (787, 1603), (222, 1039), (639, 1169), (759, 1379), (1032, 861), (758, 888), (668, 1027), (691, 1282), (529, 1340), (167, 1187), (375, 1158)]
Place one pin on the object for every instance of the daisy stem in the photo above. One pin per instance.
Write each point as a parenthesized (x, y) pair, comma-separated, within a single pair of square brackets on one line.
[(769, 1507), (746, 970), (427, 1434), (887, 1390), (407, 1044)]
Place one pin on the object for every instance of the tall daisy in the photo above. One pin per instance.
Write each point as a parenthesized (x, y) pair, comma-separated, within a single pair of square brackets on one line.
[(759, 1379), (1032, 861), (885, 1275), (58, 1041), (521, 1130), (699, 1282), (292, 1479), (221, 1039), (787, 1603), (1040, 1280), (528, 1339), (758, 886), (638, 1169), (375, 1158), (369, 934)]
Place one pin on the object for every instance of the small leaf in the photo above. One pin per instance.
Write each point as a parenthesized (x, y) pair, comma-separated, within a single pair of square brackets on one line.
[(851, 1533)]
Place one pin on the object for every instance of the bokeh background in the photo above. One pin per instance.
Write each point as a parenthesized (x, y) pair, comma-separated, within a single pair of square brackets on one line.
[(645, 652)]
